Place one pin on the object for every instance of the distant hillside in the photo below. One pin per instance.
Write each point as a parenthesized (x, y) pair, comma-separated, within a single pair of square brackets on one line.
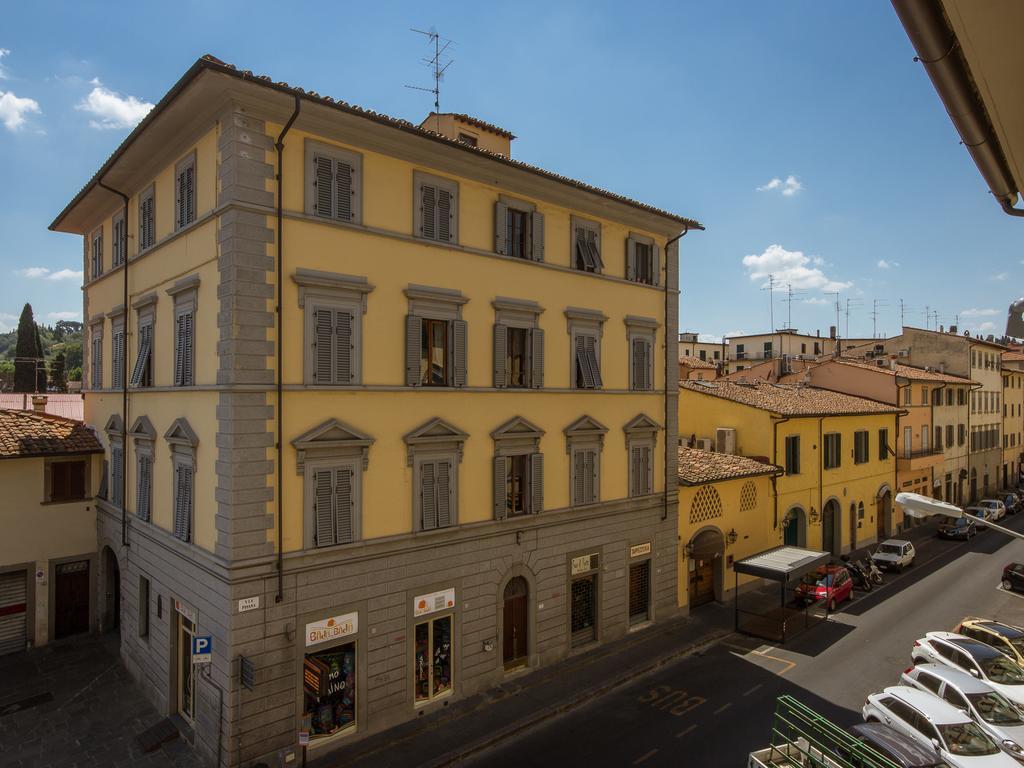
[(65, 336)]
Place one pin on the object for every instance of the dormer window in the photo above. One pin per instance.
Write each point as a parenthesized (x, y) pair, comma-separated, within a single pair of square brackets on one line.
[(469, 139)]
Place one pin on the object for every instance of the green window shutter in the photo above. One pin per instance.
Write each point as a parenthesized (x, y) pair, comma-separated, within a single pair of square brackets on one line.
[(579, 484), (344, 190), (445, 215), (323, 184), (343, 507), (323, 508), (428, 495), (458, 341), (537, 358), (500, 355), (413, 349), (537, 236), (630, 258), (323, 333), (500, 228), (343, 347), (500, 488), (536, 483), (428, 211)]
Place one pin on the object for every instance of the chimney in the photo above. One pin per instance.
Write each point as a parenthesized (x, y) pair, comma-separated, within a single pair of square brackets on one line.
[(470, 131), (818, 333), (942, 367), (39, 403), (952, 329), (831, 331), (892, 363), (942, 329)]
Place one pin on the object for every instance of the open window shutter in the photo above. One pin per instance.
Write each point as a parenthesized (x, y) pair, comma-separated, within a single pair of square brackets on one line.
[(445, 215), (583, 253), (323, 511), (630, 258), (323, 182), (537, 358), (591, 359), (179, 503), (179, 350), (179, 200), (343, 507), (190, 352), (344, 190), (537, 236), (500, 492), (594, 248), (413, 344), (188, 484), (428, 211), (189, 187), (579, 483), (323, 333), (428, 495), (536, 483), (586, 379), (445, 500), (458, 340), (655, 264), (145, 345), (144, 486), (500, 355), (343, 347), (500, 228)]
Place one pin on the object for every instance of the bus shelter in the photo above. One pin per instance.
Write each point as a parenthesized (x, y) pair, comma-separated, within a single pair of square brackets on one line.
[(760, 616)]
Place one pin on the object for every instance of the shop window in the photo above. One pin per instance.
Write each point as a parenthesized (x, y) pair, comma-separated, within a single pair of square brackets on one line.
[(639, 592), (432, 666), (186, 670), (329, 690)]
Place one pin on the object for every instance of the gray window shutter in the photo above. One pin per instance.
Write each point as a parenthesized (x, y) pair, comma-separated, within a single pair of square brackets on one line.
[(536, 483), (428, 211), (179, 350), (595, 249), (656, 264), (445, 500), (413, 349), (634, 471), (115, 474), (117, 360), (500, 490), (458, 341), (590, 477), (145, 488), (537, 358), (537, 236), (189, 356), (343, 347), (445, 215), (648, 469), (344, 190), (187, 503), (181, 528), (190, 194), (500, 355), (583, 370), (323, 332), (428, 495), (500, 228), (179, 200), (323, 509), (630, 258), (343, 507), (591, 360), (579, 484), (145, 350), (323, 183)]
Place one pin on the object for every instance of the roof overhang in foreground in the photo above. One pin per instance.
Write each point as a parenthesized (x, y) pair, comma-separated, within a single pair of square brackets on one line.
[(782, 563)]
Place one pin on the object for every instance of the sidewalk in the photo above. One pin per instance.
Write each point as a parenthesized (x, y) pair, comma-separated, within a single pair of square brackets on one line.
[(476, 723)]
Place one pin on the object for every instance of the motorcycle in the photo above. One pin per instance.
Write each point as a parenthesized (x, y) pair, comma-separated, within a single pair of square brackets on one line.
[(873, 571), (861, 579)]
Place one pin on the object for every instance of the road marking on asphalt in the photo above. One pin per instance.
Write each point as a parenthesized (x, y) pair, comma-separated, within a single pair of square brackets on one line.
[(787, 665), (722, 708), (686, 730), (640, 759), (756, 687)]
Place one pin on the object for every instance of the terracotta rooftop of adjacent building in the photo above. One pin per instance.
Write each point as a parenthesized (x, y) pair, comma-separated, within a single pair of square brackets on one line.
[(1013, 356), (697, 466), (68, 406), (789, 399), (905, 371), (694, 362), (26, 433), (476, 121)]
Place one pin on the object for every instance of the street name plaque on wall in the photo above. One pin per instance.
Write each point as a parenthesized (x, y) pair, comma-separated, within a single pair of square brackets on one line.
[(640, 549), (583, 563)]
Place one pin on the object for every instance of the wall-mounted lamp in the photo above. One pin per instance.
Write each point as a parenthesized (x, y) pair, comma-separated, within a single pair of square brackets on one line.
[(731, 536), (688, 549)]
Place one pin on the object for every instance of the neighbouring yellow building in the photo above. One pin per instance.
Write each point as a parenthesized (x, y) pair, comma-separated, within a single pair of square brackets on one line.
[(398, 424), (1013, 419), (50, 467), (725, 515), (836, 452)]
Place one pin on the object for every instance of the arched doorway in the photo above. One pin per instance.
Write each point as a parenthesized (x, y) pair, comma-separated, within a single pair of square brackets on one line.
[(883, 511), (111, 592), (704, 566), (794, 528), (831, 532), (515, 642)]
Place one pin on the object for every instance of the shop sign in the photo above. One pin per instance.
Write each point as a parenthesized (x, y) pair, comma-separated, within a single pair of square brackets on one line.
[(331, 629), (435, 601), (303, 738), (184, 610), (640, 549), (583, 563), (248, 604)]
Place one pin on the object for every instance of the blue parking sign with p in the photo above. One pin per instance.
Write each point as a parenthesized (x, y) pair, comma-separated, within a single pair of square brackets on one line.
[(202, 649)]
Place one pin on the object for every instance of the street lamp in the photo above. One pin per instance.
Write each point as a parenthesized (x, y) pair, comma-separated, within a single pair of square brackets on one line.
[(916, 505)]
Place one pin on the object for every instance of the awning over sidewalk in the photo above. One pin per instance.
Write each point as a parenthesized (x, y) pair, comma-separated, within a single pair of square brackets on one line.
[(782, 563)]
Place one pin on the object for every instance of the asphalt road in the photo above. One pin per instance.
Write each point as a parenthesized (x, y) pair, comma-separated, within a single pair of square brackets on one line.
[(713, 710)]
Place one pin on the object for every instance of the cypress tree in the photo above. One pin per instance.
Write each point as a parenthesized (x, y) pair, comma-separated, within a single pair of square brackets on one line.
[(58, 379), (25, 353), (41, 368)]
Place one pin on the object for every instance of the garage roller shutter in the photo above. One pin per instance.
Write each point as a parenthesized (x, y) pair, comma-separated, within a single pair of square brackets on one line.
[(13, 612)]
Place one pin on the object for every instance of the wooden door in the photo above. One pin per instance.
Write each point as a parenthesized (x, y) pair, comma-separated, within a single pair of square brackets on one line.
[(881, 515), (515, 632), (71, 595), (702, 581)]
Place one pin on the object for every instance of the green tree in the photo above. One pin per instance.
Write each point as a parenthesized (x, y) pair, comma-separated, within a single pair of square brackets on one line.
[(75, 374), (26, 352), (41, 367), (72, 354), (6, 375), (57, 373)]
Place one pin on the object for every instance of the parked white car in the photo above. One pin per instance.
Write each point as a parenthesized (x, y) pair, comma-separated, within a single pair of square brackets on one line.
[(993, 712), (932, 722), (998, 508), (894, 554), (974, 657)]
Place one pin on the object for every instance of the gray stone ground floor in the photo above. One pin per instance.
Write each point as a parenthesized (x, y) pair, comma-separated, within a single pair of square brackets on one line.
[(73, 703)]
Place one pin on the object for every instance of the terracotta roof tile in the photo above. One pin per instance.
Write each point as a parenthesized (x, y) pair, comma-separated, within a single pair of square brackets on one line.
[(697, 466), (1012, 356), (906, 371), (25, 433), (68, 406), (478, 123), (789, 399), (694, 362)]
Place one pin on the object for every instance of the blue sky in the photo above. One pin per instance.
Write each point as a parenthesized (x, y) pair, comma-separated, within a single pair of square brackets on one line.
[(801, 134)]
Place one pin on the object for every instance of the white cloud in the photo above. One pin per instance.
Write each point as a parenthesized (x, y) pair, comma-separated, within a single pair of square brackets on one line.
[(55, 316), (1001, 276), (8, 322), (45, 273), (14, 108), (790, 267), (986, 326), (3, 72), (973, 312), (111, 109), (789, 187), (883, 264), (816, 300), (709, 338)]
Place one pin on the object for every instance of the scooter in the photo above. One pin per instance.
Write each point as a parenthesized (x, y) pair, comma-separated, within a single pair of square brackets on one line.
[(873, 571), (860, 578)]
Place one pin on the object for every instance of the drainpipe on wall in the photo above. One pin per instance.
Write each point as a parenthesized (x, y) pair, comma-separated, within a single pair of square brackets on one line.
[(671, 363), (279, 145), (775, 461), (124, 369), (821, 463)]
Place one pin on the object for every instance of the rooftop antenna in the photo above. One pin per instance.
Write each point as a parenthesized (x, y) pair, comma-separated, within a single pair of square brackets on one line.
[(438, 65), (838, 306), (771, 302), (903, 311), (875, 304), (850, 303), (790, 293), (927, 317)]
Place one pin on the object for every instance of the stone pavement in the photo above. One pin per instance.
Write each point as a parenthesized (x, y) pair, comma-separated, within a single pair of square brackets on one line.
[(473, 724), (73, 704)]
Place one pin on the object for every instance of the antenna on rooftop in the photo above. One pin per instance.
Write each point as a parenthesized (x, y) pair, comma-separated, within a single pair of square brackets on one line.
[(771, 302), (438, 64), (875, 304), (790, 293), (850, 303), (837, 305)]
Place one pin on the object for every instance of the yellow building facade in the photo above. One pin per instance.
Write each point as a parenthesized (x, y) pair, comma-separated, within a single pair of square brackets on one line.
[(1013, 419), (433, 467), (836, 452)]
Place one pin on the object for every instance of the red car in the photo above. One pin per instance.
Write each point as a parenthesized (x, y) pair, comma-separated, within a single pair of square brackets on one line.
[(831, 583)]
